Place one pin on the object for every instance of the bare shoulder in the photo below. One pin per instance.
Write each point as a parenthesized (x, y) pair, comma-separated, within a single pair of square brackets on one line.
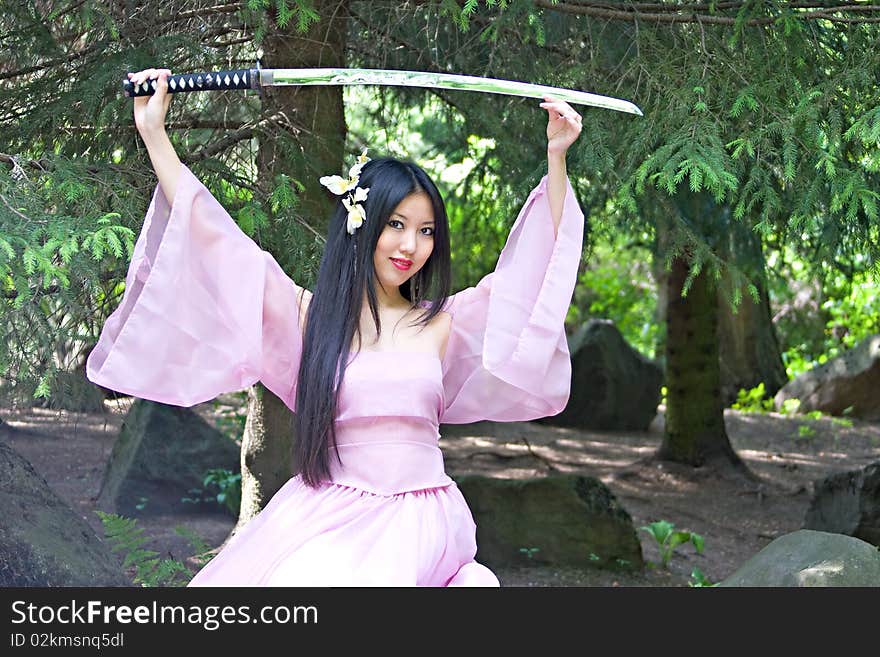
[(440, 327), (444, 320)]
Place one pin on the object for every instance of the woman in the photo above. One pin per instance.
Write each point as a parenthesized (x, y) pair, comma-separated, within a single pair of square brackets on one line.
[(383, 353)]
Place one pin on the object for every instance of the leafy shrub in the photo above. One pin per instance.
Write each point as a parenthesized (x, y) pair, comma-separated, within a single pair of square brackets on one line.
[(124, 536), (753, 400), (228, 490), (663, 532)]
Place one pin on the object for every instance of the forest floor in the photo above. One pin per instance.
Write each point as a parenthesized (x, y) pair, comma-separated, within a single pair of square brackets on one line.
[(736, 515)]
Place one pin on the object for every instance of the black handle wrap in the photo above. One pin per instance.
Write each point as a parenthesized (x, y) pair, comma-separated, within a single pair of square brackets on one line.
[(248, 78)]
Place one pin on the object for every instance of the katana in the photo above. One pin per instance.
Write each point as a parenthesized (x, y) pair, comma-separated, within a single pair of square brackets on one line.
[(258, 78)]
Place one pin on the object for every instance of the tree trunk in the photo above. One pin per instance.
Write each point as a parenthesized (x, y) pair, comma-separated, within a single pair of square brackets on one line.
[(695, 433), (316, 114), (265, 452), (695, 430), (319, 123)]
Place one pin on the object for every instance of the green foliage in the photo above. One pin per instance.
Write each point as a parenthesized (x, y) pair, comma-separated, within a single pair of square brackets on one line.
[(124, 536), (231, 421), (285, 196), (529, 552), (806, 431), (617, 284), (226, 493), (76, 180), (202, 552), (790, 406), (461, 15), (519, 19), (228, 484), (825, 310), (698, 579), (303, 11), (250, 218), (667, 539), (704, 164), (754, 400)]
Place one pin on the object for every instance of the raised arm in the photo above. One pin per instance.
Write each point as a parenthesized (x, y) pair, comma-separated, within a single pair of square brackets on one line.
[(205, 310), (149, 119), (563, 128), (507, 357)]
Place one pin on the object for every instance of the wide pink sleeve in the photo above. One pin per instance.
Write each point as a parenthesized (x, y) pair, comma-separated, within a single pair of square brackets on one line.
[(507, 357), (205, 310)]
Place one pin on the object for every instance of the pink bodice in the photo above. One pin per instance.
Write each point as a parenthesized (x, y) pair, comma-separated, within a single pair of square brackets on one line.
[(387, 426)]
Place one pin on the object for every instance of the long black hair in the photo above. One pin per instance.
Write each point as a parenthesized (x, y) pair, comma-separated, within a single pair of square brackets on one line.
[(346, 274)]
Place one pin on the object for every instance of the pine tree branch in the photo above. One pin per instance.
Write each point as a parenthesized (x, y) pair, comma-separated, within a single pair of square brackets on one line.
[(246, 131), (220, 45), (44, 165), (58, 61), (718, 6), (194, 124), (230, 8), (104, 277), (688, 14), (156, 21), (12, 209), (62, 13), (41, 164)]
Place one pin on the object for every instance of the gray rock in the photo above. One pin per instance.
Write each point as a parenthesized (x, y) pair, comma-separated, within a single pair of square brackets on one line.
[(571, 519), (848, 503), (162, 452), (613, 386), (43, 542), (811, 558), (852, 380)]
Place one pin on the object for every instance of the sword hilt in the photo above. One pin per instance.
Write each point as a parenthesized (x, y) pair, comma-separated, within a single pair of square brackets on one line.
[(248, 78)]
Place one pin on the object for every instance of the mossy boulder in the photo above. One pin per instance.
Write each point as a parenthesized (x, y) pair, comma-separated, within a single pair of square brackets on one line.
[(43, 542), (160, 456), (570, 520)]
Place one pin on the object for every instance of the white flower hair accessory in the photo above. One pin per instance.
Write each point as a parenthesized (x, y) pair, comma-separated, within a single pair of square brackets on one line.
[(356, 195)]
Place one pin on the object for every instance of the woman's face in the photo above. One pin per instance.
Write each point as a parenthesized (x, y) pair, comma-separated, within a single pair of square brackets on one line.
[(408, 235)]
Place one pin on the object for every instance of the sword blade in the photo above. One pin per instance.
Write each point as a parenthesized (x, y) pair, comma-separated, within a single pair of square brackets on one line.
[(385, 77)]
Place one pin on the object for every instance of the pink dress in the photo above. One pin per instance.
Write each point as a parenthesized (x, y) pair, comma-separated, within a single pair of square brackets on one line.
[(206, 311)]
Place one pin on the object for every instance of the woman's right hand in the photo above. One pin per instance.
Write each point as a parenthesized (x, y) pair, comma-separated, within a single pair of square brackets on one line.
[(150, 111)]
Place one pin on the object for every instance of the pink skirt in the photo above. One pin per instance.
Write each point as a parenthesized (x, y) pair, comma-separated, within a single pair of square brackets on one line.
[(337, 535)]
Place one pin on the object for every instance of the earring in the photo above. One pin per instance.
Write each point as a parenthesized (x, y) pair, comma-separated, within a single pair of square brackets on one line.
[(414, 288)]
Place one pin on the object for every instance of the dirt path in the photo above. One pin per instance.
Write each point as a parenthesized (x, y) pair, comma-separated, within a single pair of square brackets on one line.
[(737, 517)]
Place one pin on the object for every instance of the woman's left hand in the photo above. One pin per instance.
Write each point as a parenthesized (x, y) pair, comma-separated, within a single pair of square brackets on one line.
[(563, 125)]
